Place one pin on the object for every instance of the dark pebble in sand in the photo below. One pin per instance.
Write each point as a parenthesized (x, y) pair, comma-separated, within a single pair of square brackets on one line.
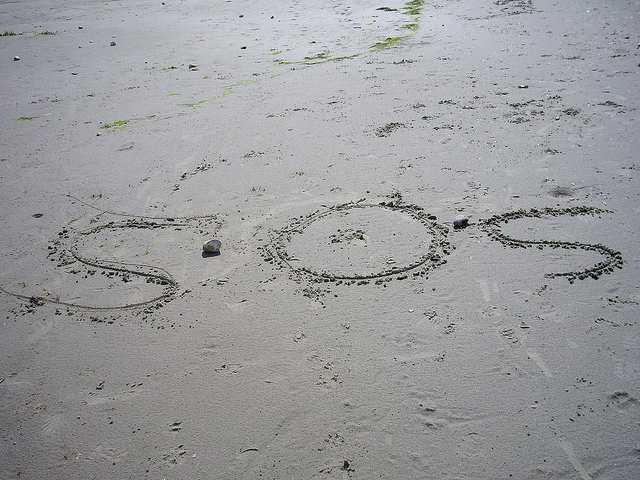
[(461, 221)]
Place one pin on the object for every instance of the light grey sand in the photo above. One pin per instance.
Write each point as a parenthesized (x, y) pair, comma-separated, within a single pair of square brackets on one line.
[(244, 120)]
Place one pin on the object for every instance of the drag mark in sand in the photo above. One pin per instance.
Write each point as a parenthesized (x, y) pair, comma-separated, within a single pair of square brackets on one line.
[(533, 355), (575, 461), (613, 258)]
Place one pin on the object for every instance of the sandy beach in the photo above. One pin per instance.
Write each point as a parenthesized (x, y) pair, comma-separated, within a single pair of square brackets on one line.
[(345, 329)]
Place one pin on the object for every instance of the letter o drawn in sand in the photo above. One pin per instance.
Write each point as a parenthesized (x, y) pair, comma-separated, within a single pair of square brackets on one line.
[(361, 242)]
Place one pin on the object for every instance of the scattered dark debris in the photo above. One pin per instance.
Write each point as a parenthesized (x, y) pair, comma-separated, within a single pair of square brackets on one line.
[(388, 129)]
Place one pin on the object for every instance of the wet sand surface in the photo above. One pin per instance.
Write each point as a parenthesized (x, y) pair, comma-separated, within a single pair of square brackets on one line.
[(345, 329)]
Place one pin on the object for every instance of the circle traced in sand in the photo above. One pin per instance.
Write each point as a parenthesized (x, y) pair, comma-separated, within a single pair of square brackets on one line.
[(361, 242)]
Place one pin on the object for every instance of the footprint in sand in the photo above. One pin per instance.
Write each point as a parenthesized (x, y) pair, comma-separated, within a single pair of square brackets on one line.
[(175, 456)]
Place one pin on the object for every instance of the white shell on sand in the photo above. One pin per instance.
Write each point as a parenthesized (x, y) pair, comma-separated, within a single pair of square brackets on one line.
[(212, 246)]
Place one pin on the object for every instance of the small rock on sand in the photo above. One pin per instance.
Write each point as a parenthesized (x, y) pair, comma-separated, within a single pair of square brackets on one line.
[(212, 246), (461, 221)]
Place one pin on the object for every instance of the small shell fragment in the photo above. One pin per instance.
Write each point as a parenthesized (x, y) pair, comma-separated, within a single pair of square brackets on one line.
[(461, 221), (212, 246)]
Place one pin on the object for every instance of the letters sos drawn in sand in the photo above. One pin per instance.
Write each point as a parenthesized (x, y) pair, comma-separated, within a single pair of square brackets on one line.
[(353, 243)]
